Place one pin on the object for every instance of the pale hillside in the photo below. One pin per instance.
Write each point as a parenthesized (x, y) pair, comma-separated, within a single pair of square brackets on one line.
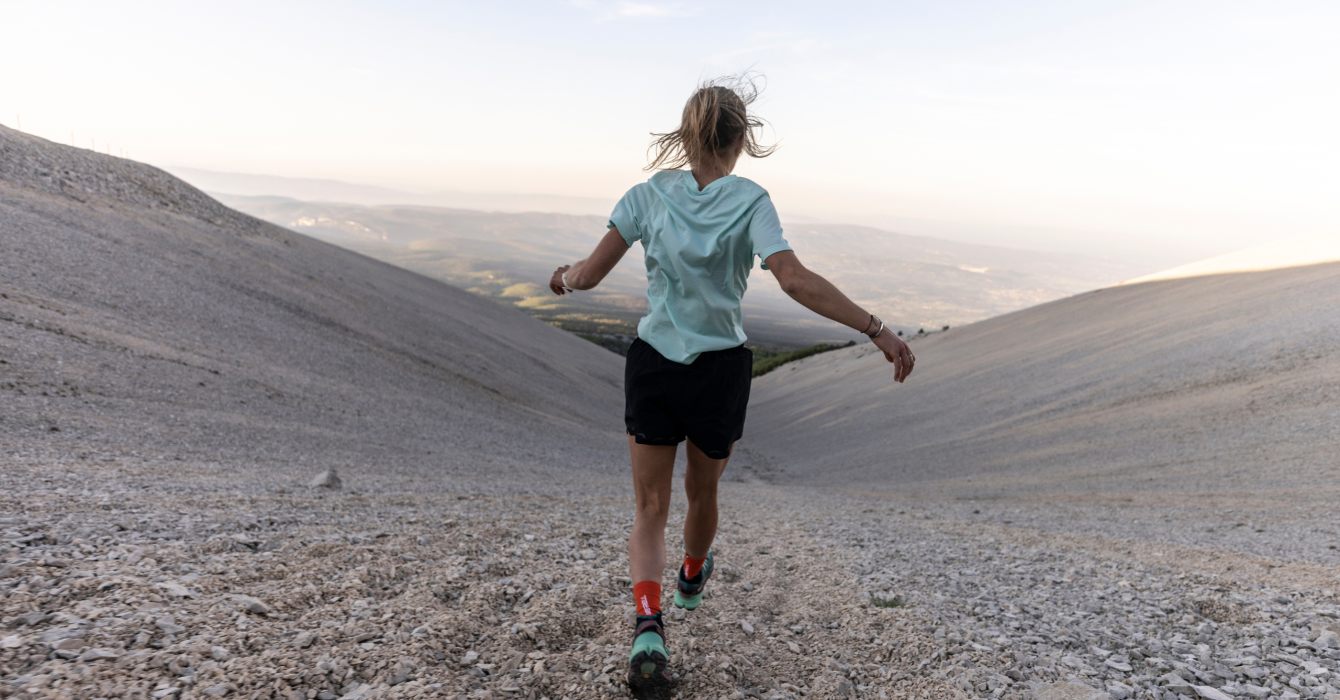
[(143, 310), (1218, 381)]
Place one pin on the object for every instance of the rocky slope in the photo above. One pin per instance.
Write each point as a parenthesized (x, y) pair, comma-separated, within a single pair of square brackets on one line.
[(1221, 382), (140, 315)]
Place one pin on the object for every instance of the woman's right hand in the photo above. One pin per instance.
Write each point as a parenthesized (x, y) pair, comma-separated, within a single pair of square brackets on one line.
[(556, 281), (897, 352)]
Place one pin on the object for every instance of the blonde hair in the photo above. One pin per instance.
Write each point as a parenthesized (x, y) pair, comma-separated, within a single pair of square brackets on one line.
[(716, 119)]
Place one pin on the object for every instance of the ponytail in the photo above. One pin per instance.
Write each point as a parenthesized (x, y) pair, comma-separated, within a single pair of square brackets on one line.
[(716, 121)]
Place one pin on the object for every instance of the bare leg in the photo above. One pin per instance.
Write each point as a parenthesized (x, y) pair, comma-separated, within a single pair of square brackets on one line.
[(653, 472), (700, 485)]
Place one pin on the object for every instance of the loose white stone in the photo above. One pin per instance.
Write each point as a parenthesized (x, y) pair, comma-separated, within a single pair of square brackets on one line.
[(1069, 690), (251, 604), (360, 693), (176, 589), (169, 625), (1210, 693), (326, 480), (98, 655)]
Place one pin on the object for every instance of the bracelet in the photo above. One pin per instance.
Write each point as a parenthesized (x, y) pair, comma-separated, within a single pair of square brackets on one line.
[(873, 320), (876, 333), (564, 277)]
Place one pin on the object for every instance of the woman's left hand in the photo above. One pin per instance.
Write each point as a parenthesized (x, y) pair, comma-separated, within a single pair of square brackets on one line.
[(556, 282), (897, 352)]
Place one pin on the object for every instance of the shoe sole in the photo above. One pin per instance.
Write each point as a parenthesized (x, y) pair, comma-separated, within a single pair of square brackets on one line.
[(688, 602), (648, 670)]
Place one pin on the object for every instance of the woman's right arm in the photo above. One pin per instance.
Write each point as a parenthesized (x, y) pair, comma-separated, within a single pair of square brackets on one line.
[(820, 296), (588, 272)]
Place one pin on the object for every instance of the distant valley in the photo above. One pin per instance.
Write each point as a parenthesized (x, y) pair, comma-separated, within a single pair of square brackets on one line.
[(913, 282)]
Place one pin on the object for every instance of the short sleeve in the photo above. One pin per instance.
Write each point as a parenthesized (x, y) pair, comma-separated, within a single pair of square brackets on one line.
[(765, 231), (626, 216)]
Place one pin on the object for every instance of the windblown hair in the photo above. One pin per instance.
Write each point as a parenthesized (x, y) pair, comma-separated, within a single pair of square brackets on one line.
[(716, 120)]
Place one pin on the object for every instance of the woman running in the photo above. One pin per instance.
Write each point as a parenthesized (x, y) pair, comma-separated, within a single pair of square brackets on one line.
[(688, 372)]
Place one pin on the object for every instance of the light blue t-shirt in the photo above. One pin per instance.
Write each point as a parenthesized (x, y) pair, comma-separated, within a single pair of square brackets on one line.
[(699, 248)]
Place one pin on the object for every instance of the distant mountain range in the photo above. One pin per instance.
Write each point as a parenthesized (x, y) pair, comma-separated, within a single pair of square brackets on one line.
[(316, 190)]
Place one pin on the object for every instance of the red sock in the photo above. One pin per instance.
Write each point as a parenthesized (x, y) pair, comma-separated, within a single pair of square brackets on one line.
[(692, 566), (647, 598)]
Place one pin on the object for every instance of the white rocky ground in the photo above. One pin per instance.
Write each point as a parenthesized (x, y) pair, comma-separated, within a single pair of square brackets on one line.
[(127, 579)]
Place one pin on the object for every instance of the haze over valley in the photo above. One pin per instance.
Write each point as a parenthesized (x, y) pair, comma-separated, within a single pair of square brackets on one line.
[(912, 282)]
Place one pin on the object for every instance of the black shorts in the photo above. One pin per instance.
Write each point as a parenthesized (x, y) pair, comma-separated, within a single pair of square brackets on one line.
[(665, 401)]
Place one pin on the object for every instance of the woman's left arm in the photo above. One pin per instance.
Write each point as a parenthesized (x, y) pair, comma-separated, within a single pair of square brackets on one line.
[(586, 274)]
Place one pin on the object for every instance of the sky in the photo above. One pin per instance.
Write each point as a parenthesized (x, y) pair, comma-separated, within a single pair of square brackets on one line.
[(1161, 132)]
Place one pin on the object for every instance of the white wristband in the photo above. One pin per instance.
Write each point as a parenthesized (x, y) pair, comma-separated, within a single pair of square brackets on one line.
[(566, 286)]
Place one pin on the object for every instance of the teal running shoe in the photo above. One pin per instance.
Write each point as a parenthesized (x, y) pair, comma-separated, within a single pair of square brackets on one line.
[(647, 663), (689, 594)]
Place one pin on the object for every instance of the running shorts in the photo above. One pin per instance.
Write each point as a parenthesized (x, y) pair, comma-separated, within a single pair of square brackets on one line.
[(665, 401)]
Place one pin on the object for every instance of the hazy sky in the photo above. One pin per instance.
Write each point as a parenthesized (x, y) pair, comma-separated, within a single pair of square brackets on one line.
[(1169, 130)]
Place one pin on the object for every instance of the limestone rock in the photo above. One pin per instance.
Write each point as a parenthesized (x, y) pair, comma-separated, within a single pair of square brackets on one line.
[(98, 655), (360, 693), (253, 605), (1176, 684), (176, 589), (1210, 693), (1068, 690), (328, 479), (169, 625), (32, 618), (71, 644)]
